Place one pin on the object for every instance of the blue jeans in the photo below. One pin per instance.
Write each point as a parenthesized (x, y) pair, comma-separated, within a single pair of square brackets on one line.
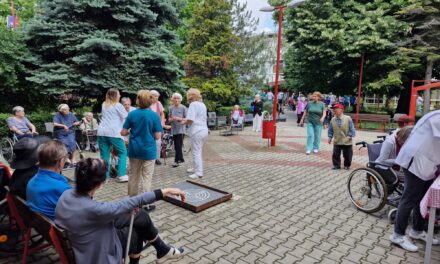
[(313, 136)]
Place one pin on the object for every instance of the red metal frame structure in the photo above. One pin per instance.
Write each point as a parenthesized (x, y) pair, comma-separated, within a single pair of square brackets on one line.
[(428, 84)]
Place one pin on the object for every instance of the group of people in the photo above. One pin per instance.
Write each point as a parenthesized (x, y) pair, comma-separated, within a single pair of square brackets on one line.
[(99, 231)]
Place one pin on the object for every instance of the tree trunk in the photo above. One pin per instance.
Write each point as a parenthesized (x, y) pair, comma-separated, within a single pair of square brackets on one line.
[(427, 93)]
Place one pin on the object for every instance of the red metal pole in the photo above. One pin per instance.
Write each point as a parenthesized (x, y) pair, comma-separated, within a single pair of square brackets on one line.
[(361, 72), (277, 77), (413, 102)]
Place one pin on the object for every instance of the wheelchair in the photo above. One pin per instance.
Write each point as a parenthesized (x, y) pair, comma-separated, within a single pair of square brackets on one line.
[(376, 185), (7, 147)]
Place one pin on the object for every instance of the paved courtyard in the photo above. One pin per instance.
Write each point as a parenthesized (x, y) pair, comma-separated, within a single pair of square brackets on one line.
[(287, 207)]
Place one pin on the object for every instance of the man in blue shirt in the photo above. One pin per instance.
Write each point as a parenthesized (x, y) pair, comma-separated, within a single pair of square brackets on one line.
[(46, 187), (145, 128)]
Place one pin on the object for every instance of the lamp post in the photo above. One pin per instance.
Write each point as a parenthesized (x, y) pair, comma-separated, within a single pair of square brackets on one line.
[(292, 4), (361, 73)]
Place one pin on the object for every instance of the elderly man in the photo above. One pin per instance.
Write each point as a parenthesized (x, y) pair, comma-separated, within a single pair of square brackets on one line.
[(19, 124), (126, 102)]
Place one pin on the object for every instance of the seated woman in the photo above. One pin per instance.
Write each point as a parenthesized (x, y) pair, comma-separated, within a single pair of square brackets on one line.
[(236, 116), (99, 231), (64, 122), (89, 127), (88, 122), (390, 148), (19, 124), (25, 163)]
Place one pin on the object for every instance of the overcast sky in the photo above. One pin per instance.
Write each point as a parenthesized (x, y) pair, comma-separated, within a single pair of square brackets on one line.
[(266, 22)]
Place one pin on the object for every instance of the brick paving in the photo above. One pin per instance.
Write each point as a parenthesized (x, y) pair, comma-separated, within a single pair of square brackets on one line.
[(287, 207)]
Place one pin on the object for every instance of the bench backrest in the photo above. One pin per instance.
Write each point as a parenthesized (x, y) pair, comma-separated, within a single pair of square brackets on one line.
[(45, 227), (370, 117)]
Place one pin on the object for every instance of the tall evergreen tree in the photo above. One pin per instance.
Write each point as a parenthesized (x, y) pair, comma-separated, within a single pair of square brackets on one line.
[(87, 46)]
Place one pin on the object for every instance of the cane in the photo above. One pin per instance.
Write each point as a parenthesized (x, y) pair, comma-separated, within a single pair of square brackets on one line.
[(129, 238)]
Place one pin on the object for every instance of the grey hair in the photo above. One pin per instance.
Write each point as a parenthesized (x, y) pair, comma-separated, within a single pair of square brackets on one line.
[(17, 109), (87, 113), (125, 99), (257, 95), (177, 95), (62, 106), (155, 93)]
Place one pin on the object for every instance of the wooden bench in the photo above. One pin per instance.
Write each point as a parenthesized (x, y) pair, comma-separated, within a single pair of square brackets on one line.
[(28, 220), (373, 118)]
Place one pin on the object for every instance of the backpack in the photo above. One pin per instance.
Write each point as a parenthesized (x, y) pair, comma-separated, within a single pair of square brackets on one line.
[(252, 107)]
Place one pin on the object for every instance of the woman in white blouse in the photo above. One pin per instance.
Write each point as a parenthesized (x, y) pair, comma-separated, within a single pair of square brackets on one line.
[(198, 130), (113, 115)]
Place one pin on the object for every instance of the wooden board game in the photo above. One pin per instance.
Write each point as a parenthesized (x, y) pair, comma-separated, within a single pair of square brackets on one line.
[(198, 196)]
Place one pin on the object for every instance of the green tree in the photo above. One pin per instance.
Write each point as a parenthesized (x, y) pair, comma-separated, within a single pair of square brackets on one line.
[(328, 37), (423, 45), (249, 49), (24, 9), (86, 47), (209, 58), (12, 68)]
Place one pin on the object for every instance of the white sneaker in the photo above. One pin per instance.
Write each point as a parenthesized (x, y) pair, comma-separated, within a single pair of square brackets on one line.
[(194, 176), (422, 236), (190, 170), (315, 151), (308, 152), (403, 242), (122, 178)]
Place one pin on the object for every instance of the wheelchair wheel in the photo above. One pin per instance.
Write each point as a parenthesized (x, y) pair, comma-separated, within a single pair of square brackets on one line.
[(367, 189), (392, 215), (6, 148)]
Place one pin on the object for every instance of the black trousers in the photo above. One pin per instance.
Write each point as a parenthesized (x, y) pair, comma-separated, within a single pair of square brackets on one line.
[(143, 230), (298, 117), (347, 152), (178, 144), (413, 192)]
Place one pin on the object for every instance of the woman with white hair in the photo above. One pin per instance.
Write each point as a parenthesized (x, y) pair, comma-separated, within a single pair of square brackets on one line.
[(19, 124), (198, 130), (157, 107), (177, 113), (64, 122), (257, 111)]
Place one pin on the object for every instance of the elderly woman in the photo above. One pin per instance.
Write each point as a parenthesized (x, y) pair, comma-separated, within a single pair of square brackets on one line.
[(99, 231), (198, 130), (236, 115), (177, 112), (126, 102), (64, 122), (88, 123), (89, 127), (157, 107), (315, 119), (257, 111), (113, 115), (145, 128), (19, 124)]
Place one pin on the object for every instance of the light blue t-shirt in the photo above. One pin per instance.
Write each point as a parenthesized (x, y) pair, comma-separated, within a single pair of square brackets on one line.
[(44, 190), (143, 123)]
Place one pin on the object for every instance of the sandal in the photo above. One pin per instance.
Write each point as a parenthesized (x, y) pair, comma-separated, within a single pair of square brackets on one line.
[(174, 253)]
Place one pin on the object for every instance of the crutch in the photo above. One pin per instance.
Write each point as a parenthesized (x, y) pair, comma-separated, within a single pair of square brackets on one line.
[(129, 238)]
